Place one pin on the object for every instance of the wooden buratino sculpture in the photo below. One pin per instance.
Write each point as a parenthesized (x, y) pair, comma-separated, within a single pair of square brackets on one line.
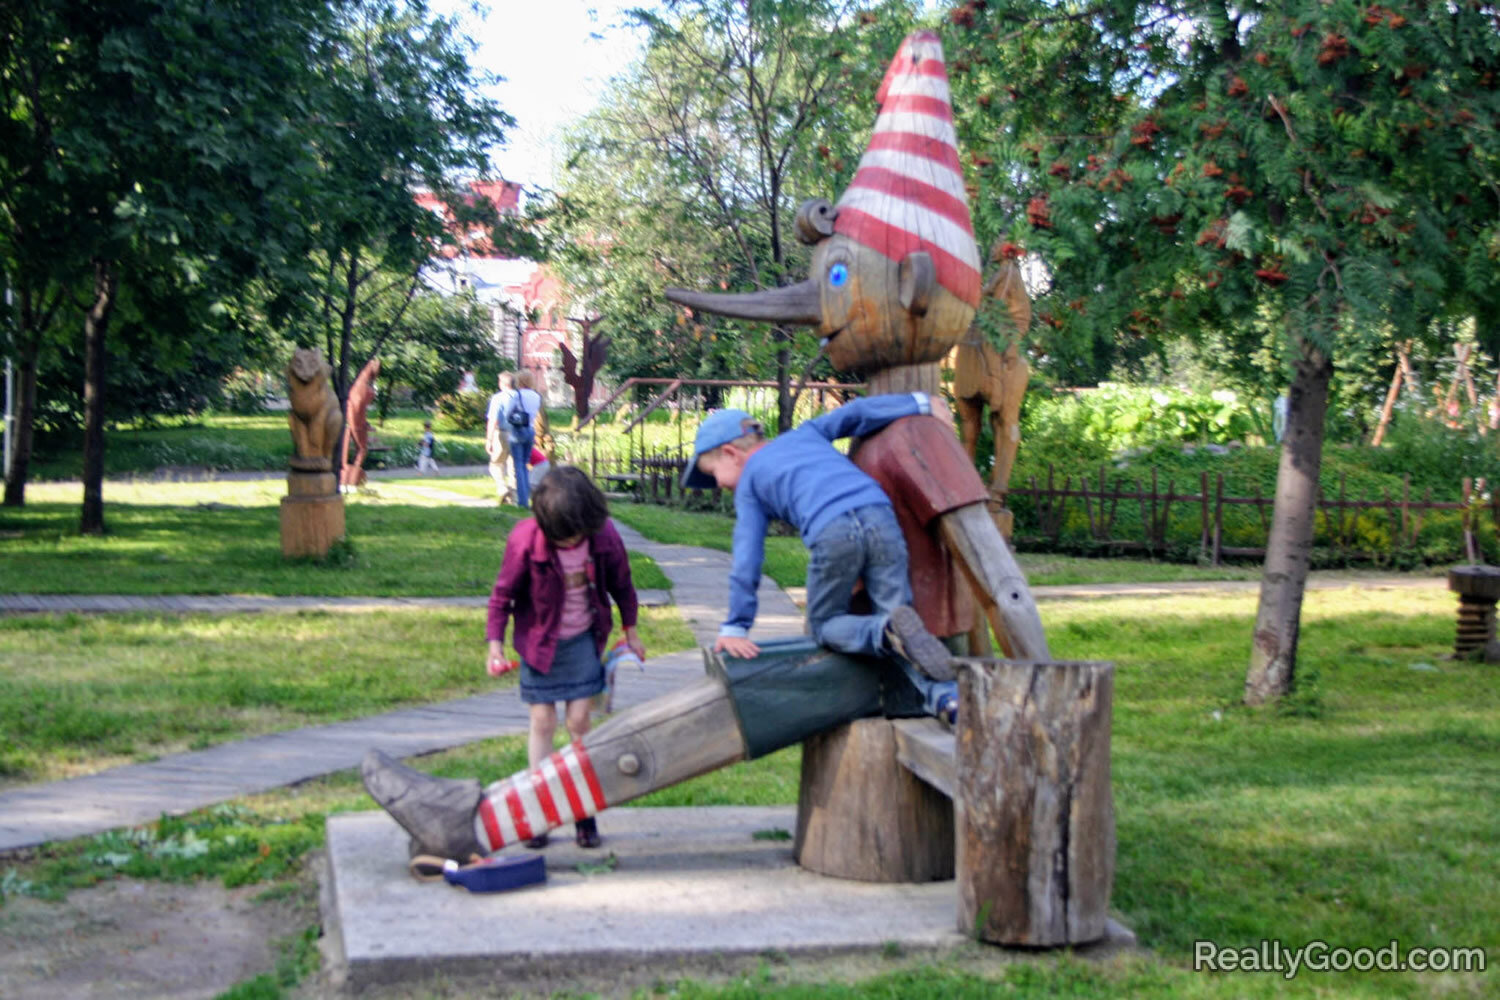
[(356, 425), (983, 376), (312, 512), (896, 279)]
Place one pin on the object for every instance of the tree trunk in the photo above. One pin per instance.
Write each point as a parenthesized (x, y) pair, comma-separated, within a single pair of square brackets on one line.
[(95, 328), (1273, 654), (37, 311), (784, 406), (341, 368), (20, 460)]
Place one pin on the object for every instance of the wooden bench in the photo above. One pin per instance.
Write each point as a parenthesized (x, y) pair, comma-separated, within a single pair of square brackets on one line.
[(621, 485)]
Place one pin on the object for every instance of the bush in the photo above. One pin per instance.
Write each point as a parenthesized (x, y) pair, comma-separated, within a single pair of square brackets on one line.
[(1430, 452), (1096, 423), (243, 393), (462, 411)]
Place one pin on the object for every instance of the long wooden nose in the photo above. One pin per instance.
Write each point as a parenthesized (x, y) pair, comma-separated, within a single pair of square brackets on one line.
[(800, 303)]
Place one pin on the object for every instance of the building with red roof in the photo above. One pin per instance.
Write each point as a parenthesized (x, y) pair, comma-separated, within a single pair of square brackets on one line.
[(528, 304)]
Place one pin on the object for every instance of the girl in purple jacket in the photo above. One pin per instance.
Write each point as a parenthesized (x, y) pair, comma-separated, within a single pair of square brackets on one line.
[(561, 567)]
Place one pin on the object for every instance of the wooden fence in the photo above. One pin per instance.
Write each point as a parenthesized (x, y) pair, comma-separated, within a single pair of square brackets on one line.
[(1141, 516), (1340, 516)]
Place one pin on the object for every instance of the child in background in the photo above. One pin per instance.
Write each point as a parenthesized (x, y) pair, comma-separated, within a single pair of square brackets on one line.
[(425, 463), (846, 522), (539, 465), (561, 567)]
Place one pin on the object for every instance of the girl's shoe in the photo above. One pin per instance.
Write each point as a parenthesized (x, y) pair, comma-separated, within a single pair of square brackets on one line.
[(538, 842), (586, 833)]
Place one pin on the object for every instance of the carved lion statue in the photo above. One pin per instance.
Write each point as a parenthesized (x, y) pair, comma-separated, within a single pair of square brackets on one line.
[(315, 418)]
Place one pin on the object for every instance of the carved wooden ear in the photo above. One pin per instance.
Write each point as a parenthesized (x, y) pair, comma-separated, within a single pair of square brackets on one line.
[(918, 276), (815, 220)]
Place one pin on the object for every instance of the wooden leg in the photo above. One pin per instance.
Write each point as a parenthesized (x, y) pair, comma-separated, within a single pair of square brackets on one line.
[(1005, 415), (667, 740), (969, 412)]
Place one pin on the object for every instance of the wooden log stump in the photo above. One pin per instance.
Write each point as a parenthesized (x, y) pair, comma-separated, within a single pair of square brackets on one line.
[(1034, 810), (861, 815)]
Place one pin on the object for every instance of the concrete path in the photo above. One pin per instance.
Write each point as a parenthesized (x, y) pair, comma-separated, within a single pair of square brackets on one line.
[(138, 793)]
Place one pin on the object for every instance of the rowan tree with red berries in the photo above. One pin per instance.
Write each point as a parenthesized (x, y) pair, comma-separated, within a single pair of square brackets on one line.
[(1325, 173)]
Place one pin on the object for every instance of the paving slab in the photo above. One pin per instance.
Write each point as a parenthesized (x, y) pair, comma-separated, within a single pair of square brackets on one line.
[(691, 888)]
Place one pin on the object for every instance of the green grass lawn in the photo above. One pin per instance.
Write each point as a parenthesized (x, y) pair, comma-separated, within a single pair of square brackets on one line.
[(224, 538), (1362, 811), (80, 693)]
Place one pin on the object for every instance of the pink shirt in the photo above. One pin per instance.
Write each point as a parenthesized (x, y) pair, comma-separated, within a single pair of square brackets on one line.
[(578, 573)]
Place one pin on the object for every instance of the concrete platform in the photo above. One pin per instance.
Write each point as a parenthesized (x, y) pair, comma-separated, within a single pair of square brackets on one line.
[(691, 889)]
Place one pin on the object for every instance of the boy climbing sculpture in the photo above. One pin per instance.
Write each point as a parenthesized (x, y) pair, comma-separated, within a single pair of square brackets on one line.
[(846, 522), (895, 284)]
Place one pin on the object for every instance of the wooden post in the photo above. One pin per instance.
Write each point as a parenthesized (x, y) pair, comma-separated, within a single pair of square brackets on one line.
[(1219, 519), (861, 815), (1203, 522), (1034, 810)]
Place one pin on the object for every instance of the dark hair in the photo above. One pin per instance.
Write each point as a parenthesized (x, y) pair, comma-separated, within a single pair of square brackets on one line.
[(566, 504)]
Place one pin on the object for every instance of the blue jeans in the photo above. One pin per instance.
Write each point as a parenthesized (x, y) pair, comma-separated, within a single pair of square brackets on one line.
[(520, 457), (862, 544)]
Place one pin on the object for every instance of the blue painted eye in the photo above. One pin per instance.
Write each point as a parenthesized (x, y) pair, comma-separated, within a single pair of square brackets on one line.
[(838, 275)]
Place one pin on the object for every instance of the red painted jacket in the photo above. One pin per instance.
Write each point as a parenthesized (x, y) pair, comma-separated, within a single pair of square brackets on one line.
[(530, 589)]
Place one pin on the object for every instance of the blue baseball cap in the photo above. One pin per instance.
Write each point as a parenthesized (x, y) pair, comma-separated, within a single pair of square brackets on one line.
[(719, 428)]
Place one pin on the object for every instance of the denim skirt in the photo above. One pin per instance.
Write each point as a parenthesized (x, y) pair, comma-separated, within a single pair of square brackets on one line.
[(577, 672)]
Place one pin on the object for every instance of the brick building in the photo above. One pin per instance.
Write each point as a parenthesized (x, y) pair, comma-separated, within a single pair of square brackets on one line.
[(528, 304)]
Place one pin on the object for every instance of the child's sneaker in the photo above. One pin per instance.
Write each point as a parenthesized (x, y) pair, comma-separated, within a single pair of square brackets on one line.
[(586, 833), (947, 710), (908, 638)]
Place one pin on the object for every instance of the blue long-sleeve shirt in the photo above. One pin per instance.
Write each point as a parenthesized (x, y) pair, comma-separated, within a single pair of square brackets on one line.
[(802, 479)]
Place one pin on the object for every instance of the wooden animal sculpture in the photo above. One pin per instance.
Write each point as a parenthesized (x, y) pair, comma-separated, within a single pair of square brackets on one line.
[(896, 280), (314, 418), (357, 427), (579, 370), (983, 376)]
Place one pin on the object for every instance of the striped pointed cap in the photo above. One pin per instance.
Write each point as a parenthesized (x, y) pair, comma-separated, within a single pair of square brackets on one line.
[(908, 193)]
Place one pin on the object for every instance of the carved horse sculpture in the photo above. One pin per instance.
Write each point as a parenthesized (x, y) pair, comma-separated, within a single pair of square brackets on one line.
[(895, 281), (983, 376)]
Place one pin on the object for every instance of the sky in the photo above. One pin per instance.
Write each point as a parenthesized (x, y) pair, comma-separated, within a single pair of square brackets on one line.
[(556, 56)]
